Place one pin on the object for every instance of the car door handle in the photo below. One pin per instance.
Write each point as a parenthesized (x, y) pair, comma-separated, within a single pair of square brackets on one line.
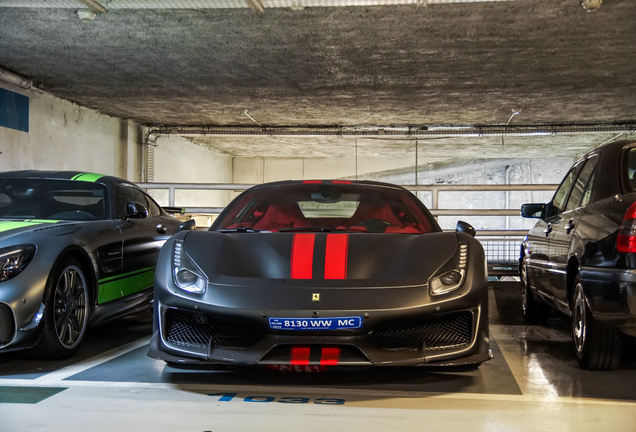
[(548, 230), (569, 226), (161, 229)]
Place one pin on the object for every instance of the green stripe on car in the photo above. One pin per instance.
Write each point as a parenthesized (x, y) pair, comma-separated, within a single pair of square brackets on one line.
[(115, 287), (11, 225), (88, 177)]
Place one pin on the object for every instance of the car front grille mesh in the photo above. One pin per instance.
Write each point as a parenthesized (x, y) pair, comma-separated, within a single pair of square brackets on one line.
[(444, 331), (196, 330)]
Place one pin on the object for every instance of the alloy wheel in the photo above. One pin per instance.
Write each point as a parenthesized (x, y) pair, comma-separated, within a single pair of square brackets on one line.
[(71, 307), (524, 286), (579, 319)]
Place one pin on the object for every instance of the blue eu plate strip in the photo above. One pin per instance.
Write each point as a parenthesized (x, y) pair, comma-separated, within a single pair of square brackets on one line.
[(331, 323)]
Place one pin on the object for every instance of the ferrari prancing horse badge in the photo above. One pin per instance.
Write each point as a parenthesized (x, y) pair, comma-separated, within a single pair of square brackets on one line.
[(315, 297)]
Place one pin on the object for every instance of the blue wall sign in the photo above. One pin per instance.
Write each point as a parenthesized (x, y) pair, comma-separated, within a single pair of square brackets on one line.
[(14, 110)]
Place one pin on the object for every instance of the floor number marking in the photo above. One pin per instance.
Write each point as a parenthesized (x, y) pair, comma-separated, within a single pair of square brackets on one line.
[(227, 397)]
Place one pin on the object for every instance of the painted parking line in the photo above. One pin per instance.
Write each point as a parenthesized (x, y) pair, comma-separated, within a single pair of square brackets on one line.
[(59, 375)]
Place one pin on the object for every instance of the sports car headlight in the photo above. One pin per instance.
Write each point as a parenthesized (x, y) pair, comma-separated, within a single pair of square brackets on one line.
[(14, 259), (186, 274), (453, 279)]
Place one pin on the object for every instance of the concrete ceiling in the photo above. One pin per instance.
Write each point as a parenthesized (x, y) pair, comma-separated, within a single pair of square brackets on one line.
[(456, 63)]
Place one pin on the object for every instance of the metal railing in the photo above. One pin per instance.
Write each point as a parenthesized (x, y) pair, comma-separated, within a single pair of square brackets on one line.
[(501, 246)]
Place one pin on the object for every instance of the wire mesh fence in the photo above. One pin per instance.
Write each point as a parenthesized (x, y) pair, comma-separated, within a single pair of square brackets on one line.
[(502, 252)]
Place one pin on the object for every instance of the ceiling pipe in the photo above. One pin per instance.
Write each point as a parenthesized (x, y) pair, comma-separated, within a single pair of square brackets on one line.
[(95, 6), (19, 81), (225, 4), (391, 132)]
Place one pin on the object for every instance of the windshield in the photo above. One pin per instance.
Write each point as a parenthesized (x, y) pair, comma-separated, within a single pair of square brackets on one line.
[(327, 207), (24, 198)]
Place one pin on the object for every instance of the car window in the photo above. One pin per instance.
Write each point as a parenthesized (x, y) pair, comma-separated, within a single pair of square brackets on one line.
[(24, 198), (153, 208), (580, 184), (126, 194), (588, 190), (630, 170), (562, 192)]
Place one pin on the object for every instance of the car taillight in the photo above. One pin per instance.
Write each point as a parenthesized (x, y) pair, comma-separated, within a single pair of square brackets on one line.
[(626, 240)]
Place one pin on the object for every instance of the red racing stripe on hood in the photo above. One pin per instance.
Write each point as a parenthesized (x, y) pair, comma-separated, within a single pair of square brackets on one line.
[(302, 256), (336, 256)]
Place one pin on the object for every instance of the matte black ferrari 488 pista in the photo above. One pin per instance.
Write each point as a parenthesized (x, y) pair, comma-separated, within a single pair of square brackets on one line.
[(322, 273)]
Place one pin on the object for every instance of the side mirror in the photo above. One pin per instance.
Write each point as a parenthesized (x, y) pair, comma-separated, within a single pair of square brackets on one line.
[(465, 227), (135, 210), (187, 225), (534, 211)]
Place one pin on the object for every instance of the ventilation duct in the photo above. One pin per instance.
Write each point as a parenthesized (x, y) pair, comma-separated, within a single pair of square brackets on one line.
[(226, 4), (388, 132)]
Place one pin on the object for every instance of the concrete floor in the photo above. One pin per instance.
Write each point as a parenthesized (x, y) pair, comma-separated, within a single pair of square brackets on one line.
[(532, 384)]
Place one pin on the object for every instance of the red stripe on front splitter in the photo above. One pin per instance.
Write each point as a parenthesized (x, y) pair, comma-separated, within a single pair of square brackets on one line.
[(302, 256), (299, 356), (330, 356), (336, 256)]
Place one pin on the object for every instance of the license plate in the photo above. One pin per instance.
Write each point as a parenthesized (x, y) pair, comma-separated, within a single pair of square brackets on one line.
[(331, 323)]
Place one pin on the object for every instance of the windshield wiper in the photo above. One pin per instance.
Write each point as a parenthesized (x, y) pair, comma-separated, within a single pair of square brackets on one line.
[(350, 229), (326, 230), (240, 229), (305, 229)]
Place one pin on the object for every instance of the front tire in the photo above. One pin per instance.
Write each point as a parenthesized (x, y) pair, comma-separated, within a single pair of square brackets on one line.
[(532, 309), (596, 347), (66, 312)]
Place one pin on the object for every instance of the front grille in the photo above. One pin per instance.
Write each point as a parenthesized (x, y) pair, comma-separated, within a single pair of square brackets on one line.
[(450, 330), (196, 330)]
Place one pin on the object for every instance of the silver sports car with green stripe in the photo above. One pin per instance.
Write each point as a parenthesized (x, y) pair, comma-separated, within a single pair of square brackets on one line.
[(76, 249)]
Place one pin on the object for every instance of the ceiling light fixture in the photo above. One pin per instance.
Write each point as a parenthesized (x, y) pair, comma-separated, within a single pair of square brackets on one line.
[(85, 15), (591, 5)]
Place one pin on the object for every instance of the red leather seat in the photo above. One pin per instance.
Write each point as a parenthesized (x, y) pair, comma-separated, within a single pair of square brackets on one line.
[(367, 211), (287, 215)]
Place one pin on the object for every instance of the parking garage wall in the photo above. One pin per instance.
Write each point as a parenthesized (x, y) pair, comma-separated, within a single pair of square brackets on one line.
[(179, 160), (402, 171), (485, 172), (65, 136)]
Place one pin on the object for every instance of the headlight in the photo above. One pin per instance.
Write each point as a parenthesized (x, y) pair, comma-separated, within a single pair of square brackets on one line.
[(186, 274), (15, 259), (447, 282), (453, 279)]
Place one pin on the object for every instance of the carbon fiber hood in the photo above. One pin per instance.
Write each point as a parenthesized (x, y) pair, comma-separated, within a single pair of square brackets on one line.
[(361, 259)]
